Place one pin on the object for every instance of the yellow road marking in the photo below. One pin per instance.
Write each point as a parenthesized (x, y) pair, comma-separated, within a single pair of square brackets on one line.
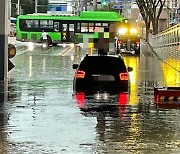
[(62, 53)]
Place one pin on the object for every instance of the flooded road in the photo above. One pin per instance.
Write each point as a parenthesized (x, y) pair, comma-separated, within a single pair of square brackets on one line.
[(39, 115)]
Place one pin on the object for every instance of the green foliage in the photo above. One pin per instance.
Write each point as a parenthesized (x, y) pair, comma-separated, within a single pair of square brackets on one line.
[(42, 6), (13, 8), (28, 6)]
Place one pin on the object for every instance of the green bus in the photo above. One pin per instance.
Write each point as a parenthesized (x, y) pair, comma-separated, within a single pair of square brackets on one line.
[(66, 28)]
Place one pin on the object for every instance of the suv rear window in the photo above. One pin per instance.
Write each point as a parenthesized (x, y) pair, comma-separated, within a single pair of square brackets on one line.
[(102, 65)]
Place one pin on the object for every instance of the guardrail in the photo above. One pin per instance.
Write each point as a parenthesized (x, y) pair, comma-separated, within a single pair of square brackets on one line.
[(169, 37)]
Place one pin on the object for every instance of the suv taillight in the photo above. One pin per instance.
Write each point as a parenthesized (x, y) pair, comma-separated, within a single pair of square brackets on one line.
[(123, 76), (80, 74)]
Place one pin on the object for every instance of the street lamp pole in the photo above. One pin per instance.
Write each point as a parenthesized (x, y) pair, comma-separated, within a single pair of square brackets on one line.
[(10, 3), (18, 7), (36, 6), (4, 7)]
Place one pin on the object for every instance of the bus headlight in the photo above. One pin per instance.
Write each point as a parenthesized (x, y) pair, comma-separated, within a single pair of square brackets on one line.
[(133, 31), (122, 30)]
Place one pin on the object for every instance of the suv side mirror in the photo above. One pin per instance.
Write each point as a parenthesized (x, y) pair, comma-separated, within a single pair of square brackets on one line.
[(75, 66), (130, 69)]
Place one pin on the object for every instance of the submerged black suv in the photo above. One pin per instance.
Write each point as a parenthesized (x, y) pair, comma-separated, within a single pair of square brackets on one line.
[(100, 77)]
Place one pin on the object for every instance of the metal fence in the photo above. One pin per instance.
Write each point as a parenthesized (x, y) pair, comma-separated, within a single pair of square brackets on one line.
[(168, 38)]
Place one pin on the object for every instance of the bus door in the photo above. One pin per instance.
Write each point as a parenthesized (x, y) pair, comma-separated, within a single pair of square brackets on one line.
[(67, 32), (71, 32), (64, 33), (56, 35)]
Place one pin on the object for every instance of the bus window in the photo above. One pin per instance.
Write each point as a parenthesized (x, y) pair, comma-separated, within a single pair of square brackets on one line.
[(46, 25), (91, 27), (105, 25), (22, 25), (98, 24), (84, 27), (64, 27), (71, 27), (32, 24), (56, 26), (78, 27), (97, 27)]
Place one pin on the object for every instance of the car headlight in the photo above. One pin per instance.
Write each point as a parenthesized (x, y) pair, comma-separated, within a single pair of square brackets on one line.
[(133, 31), (122, 30)]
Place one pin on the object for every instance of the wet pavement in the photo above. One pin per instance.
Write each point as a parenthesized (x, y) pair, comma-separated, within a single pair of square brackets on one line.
[(39, 114)]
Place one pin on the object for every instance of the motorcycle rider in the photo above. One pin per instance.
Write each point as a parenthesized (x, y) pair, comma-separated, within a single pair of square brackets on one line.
[(44, 37), (44, 40)]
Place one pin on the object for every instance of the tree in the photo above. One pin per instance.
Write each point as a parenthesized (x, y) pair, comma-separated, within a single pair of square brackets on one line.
[(42, 6), (28, 6), (151, 11), (14, 8)]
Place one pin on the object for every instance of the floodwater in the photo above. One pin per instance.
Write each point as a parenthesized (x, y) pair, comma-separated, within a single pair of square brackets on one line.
[(39, 115)]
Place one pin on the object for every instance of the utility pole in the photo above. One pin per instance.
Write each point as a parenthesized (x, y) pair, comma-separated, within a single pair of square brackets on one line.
[(10, 3), (36, 6), (4, 7), (18, 7)]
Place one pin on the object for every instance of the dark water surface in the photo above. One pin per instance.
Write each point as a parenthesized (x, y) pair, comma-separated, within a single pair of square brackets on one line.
[(39, 115)]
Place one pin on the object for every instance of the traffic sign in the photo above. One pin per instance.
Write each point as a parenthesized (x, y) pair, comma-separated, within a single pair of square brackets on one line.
[(118, 7)]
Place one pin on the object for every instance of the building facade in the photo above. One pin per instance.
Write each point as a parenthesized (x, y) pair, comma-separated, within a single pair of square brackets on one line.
[(70, 6), (173, 7)]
